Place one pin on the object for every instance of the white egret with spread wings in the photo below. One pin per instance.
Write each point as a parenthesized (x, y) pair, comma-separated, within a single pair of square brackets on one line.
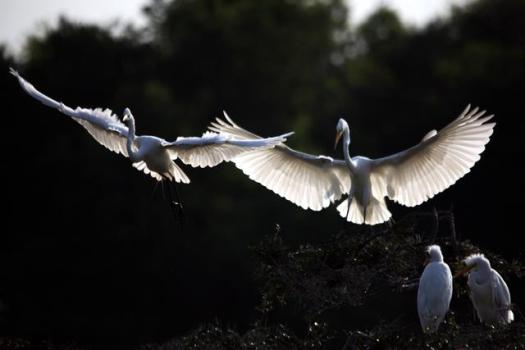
[(150, 154), (409, 177)]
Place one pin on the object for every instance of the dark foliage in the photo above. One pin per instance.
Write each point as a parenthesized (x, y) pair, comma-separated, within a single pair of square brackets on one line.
[(452, 335), (216, 337), (366, 271), (361, 263)]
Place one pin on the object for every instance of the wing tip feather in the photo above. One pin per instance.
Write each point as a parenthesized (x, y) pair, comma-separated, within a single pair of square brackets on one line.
[(14, 72)]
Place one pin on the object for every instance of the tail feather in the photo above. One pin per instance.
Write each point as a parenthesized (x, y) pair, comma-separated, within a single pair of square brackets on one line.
[(376, 212), (175, 173)]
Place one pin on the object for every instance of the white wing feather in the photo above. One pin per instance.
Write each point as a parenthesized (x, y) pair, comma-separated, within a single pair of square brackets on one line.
[(212, 149), (103, 125), (437, 162), (311, 182)]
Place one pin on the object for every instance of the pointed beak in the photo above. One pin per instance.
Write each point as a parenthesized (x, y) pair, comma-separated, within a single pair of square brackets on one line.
[(127, 112), (338, 135), (464, 271)]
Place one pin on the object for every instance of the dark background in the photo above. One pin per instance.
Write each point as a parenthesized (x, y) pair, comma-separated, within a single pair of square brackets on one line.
[(88, 251)]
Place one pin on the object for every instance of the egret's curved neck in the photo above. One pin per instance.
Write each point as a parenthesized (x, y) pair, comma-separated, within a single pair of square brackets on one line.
[(437, 258), (133, 156), (346, 152), (481, 275)]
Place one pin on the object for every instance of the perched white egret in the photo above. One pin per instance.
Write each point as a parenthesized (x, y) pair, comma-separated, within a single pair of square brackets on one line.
[(434, 292), (152, 154), (409, 177), (488, 291)]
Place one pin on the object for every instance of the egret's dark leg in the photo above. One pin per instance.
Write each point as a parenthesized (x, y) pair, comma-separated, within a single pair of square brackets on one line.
[(155, 188), (179, 205), (371, 230), (163, 190), (178, 200), (170, 199), (349, 200), (176, 205), (177, 196), (345, 222), (390, 223)]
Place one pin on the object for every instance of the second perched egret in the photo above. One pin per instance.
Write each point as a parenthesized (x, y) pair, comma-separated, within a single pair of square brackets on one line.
[(488, 291), (434, 292), (409, 177)]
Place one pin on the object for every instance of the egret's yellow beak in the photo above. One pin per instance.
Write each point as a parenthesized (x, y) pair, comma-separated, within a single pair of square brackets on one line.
[(338, 135), (464, 270)]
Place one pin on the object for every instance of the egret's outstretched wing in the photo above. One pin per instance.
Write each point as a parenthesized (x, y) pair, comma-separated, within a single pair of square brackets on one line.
[(212, 149), (311, 182), (438, 161), (501, 295), (103, 125)]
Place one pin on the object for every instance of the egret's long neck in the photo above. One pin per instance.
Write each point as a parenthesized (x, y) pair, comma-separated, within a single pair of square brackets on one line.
[(437, 258), (481, 275), (346, 152), (133, 156)]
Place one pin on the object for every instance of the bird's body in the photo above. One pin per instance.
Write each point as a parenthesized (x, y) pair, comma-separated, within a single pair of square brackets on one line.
[(361, 193), (434, 292), (409, 177), (488, 291), (150, 154)]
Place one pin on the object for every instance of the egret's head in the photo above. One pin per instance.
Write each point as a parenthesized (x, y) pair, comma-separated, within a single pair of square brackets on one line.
[(474, 262), (127, 115), (477, 261), (342, 125), (434, 254)]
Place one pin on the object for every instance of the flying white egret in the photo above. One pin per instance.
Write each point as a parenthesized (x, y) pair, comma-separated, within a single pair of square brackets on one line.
[(150, 154), (488, 291), (434, 292), (409, 177)]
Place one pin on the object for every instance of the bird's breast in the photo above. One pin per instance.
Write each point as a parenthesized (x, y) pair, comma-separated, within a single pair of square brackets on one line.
[(480, 288), (361, 184), (155, 156)]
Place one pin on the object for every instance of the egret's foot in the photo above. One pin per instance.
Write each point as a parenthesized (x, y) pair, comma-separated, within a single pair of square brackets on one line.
[(178, 212)]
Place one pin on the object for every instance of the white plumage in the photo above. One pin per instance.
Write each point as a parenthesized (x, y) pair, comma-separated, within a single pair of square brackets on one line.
[(434, 292), (151, 154), (409, 177), (488, 291)]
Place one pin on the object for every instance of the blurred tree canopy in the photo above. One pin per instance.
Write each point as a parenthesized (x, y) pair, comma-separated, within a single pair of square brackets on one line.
[(89, 252)]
